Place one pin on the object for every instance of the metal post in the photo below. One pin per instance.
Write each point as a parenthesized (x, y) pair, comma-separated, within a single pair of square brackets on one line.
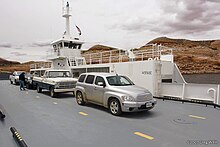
[(183, 92), (218, 96)]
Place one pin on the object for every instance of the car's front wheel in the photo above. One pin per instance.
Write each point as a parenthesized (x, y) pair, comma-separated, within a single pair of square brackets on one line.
[(39, 90), (79, 98), (115, 107), (52, 93)]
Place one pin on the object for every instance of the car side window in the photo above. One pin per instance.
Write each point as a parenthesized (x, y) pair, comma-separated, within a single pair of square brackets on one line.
[(89, 79), (82, 78), (99, 79)]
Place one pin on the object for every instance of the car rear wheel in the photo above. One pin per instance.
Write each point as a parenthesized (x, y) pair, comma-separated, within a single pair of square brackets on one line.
[(79, 98), (39, 90), (115, 107), (28, 85), (11, 82)]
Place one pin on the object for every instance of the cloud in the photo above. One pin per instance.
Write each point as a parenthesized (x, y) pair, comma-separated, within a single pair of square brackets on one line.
[(177, 16), (40, 44), (18, 54), (5, 44), (187, 16)]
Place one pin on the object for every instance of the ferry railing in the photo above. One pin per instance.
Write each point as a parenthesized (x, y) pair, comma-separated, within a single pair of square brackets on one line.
[(41, 65), (150, 52), (201, 93)]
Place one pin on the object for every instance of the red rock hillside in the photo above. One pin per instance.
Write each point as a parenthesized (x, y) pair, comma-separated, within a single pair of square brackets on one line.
[(193, 56)]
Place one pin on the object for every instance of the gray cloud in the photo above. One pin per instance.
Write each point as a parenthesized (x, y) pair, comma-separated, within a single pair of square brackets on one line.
[(6, 44), (18, 54), (40, 44), (179, 16), (197, 16)]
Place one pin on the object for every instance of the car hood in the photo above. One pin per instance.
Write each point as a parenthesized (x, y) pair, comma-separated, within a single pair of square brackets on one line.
[(63, 79), (131, 90)]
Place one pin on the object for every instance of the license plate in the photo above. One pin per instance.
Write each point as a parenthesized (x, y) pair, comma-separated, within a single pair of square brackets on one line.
[(148, 105)]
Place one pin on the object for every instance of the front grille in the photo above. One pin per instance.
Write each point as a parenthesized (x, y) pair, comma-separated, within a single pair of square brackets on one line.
[(67, 85), (144, 97)]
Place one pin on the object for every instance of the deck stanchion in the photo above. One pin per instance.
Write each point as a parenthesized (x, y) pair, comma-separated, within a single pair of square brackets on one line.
[(18, 137), (2, 115)]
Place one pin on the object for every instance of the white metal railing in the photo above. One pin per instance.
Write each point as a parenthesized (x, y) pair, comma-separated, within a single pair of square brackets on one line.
[(41, 65), (205, 92), (153, 52)]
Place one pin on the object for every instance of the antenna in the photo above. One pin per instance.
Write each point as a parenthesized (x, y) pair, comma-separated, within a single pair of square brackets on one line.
[(67, 15)]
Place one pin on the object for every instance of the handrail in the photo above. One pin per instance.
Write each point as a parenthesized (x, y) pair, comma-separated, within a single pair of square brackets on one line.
[(152, 53)]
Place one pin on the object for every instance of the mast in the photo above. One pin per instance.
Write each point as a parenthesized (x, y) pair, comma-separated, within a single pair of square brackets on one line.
[(67, 15)]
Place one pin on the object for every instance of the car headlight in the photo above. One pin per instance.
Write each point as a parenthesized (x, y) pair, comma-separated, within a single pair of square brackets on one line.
[(127, 98)]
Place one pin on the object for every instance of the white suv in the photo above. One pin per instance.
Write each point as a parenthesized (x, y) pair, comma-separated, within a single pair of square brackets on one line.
[(116, 92)]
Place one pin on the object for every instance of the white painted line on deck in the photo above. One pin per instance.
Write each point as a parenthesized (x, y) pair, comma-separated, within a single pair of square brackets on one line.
[(26, 92), (37, 97), (199, 117), (144, 135), (55, 103), (83, 113)]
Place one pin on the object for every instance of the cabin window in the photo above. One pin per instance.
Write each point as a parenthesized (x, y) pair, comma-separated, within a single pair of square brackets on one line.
[(79, 46), (66, 44), (61, 45)]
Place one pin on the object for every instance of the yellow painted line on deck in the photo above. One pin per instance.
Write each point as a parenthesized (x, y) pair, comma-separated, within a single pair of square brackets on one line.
[(199, 117), (82, 113), (144, 135)]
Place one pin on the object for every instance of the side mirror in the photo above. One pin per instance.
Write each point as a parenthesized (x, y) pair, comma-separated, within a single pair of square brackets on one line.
[(101, 84)]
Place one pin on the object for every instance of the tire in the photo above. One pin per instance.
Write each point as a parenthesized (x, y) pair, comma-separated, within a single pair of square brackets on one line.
[(52, 93), (28, 85), (11, 82), (39, 90), (79, 98), (115, 107), (15, 82)]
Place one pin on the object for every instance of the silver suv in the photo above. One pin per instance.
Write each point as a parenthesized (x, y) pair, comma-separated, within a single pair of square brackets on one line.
[(116, 92)]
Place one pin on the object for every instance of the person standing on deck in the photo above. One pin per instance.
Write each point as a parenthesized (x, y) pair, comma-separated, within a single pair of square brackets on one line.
[(22, 80)]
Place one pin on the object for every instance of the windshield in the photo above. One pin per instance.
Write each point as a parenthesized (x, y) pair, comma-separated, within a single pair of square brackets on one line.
[(119, 81), (57, 74)]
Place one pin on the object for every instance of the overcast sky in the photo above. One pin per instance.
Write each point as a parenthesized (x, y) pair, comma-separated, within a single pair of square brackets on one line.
[(28, 26)]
